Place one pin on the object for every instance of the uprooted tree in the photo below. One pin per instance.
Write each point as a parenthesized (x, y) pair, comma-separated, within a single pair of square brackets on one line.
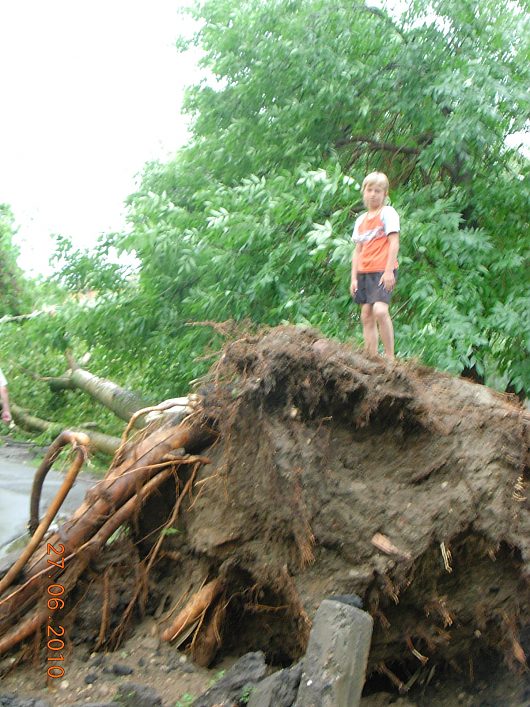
[(307, 471), (122, 402)]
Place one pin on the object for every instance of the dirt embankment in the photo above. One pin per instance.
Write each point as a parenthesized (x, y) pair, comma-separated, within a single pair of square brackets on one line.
[(334, 474)]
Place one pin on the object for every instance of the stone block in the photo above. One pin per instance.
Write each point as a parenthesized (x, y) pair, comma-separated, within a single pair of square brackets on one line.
[(278, 690), (334, 665)]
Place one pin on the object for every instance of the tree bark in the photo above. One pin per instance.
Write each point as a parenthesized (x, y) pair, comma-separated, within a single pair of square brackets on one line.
[(98, 440), (123, 403)]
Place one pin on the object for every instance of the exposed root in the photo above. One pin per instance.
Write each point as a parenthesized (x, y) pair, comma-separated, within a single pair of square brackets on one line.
[(142, 584), (193, 609), (447, 557), (105, 611), (519, 490), (405, 497), (206, 642), (80, 443), (439, 606), (422, 658), (401, 686), (381, 542), (75, 568)]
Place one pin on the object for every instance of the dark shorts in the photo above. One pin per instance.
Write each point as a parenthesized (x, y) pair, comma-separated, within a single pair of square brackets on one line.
[(369, 290)]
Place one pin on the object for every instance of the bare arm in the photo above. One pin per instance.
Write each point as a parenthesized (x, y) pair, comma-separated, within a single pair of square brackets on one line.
[(387, 279), (4, 397), (354, 259)]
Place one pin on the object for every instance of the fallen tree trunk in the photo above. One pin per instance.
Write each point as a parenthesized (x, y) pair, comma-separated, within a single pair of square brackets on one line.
[(333, 474), (123, 403), (98, 440)]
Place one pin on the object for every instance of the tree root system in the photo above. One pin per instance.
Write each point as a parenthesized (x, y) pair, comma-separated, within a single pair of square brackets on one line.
[(306, 471)]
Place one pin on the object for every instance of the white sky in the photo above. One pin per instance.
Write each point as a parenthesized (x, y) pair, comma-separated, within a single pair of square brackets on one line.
[(90, 91)]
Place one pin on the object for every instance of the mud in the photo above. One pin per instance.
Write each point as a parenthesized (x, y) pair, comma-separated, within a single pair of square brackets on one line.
[(320, 450), (336, 474)]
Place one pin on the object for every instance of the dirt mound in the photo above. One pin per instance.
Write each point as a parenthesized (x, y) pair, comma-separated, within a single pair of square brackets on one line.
[(333, 474)]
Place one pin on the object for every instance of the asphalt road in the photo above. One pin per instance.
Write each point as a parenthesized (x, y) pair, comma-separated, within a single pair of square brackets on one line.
[(16, 479)]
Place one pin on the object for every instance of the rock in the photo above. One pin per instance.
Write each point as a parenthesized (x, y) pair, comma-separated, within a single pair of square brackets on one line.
[(97, 660), (133, 695), (278, 690), (90, 678), (120, 669), (9, 699), (151, 643), (334, 665), (237, 682), (350, 599)]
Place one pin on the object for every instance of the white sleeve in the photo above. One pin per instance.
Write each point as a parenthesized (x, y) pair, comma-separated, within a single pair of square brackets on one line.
[(355, 234), (3, 380), (390, 219)]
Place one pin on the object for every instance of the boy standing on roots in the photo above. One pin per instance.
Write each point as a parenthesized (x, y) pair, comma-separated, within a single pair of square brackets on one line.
[(374, 263)]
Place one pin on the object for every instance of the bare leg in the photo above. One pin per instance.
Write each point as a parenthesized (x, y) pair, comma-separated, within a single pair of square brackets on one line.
[(369, 329), (386, 328)]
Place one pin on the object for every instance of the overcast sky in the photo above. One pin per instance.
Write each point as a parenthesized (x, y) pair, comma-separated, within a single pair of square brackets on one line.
[(90, 91)]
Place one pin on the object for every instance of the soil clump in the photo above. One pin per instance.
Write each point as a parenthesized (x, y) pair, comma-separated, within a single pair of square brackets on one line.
[(331, 474)]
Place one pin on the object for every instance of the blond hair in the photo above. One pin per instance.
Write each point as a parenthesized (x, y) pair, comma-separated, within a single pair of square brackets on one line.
[(376, 178)]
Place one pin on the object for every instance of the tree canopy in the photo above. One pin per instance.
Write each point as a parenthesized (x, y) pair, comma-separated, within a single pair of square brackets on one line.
[(302, 98)]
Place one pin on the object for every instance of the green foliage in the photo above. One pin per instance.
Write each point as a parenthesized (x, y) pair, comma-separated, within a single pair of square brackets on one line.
[(218, 675), (170, 531), (245, 694), (252, 219), (82, 271), (15, 291), (186, 700)]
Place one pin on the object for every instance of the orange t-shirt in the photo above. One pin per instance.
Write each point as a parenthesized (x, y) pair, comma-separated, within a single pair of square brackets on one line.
[(373, 234)]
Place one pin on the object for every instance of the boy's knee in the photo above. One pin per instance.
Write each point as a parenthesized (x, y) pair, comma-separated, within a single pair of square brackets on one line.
[(380, 310), (367, 314)]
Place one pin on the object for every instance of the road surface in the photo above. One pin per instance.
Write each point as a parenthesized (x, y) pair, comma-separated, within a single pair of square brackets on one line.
[(16, 478)]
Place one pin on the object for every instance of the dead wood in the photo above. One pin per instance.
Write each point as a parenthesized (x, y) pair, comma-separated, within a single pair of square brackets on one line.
[(121, 401)]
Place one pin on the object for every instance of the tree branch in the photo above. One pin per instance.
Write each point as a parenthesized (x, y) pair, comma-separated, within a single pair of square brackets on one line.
[(377, 145)]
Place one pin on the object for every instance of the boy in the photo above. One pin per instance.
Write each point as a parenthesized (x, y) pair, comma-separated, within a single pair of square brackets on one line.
[(374, 263)]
